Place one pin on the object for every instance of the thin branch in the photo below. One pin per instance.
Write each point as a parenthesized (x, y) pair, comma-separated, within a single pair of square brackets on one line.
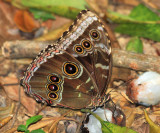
[(124, 59), (135, 61), (23, 49)]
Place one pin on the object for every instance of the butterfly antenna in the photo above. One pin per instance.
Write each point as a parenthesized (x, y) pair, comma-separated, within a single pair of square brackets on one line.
[(124, 83)]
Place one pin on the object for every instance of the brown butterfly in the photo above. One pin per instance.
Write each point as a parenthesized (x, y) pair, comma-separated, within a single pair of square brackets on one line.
[(75, 71)]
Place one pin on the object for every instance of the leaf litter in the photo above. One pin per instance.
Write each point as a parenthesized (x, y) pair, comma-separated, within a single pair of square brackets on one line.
[(134, 115)]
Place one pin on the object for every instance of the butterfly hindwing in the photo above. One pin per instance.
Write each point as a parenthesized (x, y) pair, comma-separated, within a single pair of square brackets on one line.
[(60, 79)]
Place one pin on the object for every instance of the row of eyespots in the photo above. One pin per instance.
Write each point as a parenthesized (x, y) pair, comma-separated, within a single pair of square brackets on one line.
[(70, 69), (54, 86), (86, 44)]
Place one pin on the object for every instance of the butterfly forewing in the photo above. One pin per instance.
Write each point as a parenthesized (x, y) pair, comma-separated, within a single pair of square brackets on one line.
[(96, 58)]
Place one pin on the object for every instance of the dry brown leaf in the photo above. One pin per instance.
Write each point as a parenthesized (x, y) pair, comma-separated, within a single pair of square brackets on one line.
[(12, 92), (99, 6), (130, 115), (5, 66), (51, 129), (156, 112), (54, 123), (157, 48), (152, 3), (25, 21), (7, 25), (94, 5), (115, 95), (29, 22), (12, 130), (8, 11), (8, 108), (49, 123), (55, 130), (120, 74), (6, 111), (55, 34), (5, 121), (46, 128), (57, 23), (126, 97), (128, 109), (41, 124)]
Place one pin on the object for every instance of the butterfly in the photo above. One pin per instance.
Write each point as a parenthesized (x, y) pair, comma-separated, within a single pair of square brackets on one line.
[(75, 71)]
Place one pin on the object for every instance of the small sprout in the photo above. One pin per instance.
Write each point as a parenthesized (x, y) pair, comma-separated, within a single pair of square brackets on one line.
[(22, 128), (32, 120)]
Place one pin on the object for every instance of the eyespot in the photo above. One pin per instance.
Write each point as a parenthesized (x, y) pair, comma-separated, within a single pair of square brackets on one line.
[(70, 68), (53, 95), (86, 44), (95, 34), (54, 78), (53, 87), (79, 49)]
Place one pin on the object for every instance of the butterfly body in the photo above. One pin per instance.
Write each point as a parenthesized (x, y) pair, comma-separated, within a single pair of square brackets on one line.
[(75, 71)]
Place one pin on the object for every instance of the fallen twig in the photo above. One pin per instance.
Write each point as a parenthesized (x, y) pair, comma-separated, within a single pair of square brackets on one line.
[(135, 61), (29, 49)]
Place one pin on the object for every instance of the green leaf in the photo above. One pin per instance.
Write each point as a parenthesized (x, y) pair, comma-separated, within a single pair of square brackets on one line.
[(135, 45), (33, 120), (115, 128), (67, 8), (43, 15), (142, 13), (27, 131), (37, 131), (69, 3), (21, 128), (119, 18)]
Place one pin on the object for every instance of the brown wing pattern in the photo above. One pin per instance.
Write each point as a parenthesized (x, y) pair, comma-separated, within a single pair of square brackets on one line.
[(97, 58), (75, 71)]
